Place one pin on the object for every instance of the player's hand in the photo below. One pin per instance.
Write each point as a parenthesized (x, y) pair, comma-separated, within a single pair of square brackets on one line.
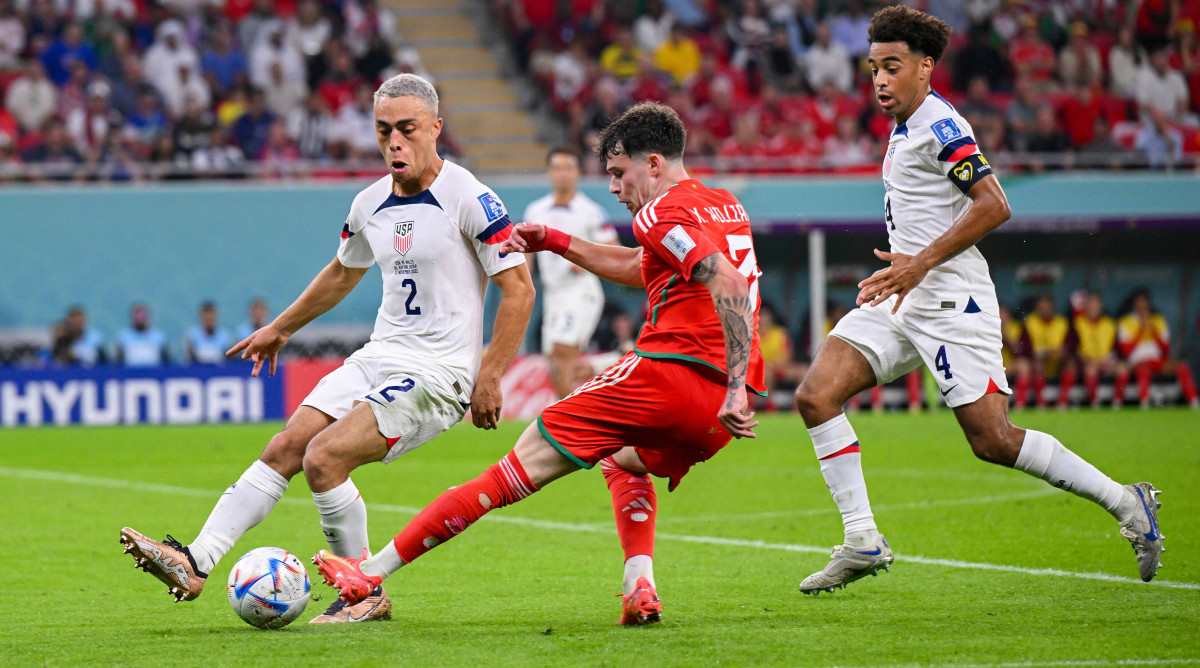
[(525, 238), (260, 346), (899, 279), (534, 238), (735, 414), (486, 401)]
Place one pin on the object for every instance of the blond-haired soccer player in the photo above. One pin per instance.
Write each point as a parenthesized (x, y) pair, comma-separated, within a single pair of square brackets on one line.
[(435, 232), (935, 305)]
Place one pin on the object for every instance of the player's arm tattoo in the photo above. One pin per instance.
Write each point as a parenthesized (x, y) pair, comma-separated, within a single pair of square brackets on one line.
[(736, 314), (705, 269)]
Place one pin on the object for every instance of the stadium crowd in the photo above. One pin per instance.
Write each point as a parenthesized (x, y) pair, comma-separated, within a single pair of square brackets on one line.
[(770, 86), (130, 89), (1044, 348)]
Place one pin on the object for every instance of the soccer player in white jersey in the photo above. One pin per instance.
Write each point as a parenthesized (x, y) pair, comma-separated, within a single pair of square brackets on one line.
[(434, 231), (935, 305), (572, 298)]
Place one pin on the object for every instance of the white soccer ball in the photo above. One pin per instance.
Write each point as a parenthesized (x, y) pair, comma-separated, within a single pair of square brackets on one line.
[(268, 587)]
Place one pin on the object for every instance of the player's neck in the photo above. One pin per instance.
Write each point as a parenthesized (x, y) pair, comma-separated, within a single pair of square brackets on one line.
[(670, 177), (903, 117), (563, 197), (422, 182)]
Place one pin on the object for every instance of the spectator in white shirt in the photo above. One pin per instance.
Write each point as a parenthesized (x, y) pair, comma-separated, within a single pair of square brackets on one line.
[(827, 61)]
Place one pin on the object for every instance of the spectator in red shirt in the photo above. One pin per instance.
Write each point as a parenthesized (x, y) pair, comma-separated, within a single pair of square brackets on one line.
[(649, 84), (740, 153), (717, 115), (1030, 55), (1079, 115), (339, 81), (798, 149)]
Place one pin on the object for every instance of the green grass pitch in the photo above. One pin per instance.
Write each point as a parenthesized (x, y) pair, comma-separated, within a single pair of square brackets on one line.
[(537, 584)]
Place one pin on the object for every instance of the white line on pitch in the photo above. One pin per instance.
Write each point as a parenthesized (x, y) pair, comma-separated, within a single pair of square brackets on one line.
[(917, 505), (1056, 664), (56, 476)]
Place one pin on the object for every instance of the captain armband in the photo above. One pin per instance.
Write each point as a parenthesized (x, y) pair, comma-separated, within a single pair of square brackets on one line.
[(969, 171)]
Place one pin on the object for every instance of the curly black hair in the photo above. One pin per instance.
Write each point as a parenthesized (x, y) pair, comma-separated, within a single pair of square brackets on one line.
[(645, 128), (924, 34)]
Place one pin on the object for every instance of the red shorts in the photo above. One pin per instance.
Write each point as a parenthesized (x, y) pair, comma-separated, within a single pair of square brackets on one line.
[(665, 409)]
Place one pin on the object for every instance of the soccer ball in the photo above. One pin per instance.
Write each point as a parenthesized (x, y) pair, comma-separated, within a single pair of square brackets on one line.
[(268, 587)]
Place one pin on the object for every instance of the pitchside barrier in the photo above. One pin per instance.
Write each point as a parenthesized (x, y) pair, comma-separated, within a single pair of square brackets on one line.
[(195, 394)]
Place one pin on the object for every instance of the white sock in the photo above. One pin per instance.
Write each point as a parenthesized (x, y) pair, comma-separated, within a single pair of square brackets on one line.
[(844, 477), (343, 519), (637, 566), (384, 562), (1042, 456), (239, 509)]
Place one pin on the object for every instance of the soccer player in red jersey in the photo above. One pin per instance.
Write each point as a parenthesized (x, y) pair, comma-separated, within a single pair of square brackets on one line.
[(674, 401)]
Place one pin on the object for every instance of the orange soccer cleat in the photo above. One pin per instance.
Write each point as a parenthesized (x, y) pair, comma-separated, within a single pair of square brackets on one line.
[(641, 606), (344, 574)]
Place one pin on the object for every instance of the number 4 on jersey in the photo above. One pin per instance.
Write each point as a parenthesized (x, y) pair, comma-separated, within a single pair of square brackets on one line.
[(749, 264)]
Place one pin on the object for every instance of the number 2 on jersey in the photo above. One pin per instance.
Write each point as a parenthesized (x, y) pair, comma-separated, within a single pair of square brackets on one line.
[(412, 294), (749, 264)]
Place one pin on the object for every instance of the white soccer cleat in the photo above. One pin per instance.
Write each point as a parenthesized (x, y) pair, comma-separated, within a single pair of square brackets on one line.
[(847, 564), (1142, 529)]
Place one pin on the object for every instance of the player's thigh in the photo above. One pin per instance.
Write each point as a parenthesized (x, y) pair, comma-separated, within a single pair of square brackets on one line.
[(963, 352), (285, 451), (863, 350), (542, 462), (628, 459), (348, 443), (412, 409), (336, 393)]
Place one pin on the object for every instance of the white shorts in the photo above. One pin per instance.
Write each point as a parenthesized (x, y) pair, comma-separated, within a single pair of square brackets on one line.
[(410, 408), (570, 324), (962, 350)]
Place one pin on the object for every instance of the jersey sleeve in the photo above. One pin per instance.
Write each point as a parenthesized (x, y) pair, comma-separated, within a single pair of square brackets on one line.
[(354, 250), (673, 235), (484, 220), (599, 231), (958, 155)]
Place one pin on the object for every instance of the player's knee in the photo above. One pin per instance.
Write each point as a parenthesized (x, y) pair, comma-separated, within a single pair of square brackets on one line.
[(285, 453), (994, 445), (320, 461), (810, 401)]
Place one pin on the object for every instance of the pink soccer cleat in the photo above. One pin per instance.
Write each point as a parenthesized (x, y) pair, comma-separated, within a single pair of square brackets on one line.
[(641, 606), (345, 574)]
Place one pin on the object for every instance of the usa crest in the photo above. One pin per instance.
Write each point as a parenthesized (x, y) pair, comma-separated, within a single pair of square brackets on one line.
[(404, 237)]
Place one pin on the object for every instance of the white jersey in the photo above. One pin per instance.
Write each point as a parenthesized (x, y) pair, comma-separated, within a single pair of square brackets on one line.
[(562, 284), (922, 202), (436, 250)]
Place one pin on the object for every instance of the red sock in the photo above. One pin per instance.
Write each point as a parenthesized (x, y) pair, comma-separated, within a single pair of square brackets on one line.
[(1186, 383), (503, 483), (1064, 389), (913, 384), (1119, 387), (635, 507), (1039, 384), (1092, 382), (1022, 391), (1143, 380)]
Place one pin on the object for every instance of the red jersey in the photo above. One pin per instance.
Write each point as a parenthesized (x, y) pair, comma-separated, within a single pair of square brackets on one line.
[(682, 226)]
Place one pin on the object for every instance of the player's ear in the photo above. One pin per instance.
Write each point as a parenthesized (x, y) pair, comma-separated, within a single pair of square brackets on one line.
[(437, 127), (654, 163), (926, 67)]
